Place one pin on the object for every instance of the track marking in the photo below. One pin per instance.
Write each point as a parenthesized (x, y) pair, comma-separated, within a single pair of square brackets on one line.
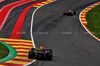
[(5, 11), (16, 33), (83, 19), (31, 33), (23, 49), (1, 1), (13, 40)]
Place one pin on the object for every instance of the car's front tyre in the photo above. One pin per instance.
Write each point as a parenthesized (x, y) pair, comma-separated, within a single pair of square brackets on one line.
[(30, 55)]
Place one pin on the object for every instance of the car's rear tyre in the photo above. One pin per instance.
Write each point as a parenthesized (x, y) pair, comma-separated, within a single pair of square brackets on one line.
[(30, 55), (74, 12), (49, 56), (32, 49), (64, 13)]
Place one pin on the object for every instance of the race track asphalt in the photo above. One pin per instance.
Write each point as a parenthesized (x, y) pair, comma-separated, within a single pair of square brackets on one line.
[(2, 4), (12, 18), (71, 44)]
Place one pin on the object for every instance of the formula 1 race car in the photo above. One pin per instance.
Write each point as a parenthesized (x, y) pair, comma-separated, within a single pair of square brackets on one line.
[(43, 54), (69, 13)]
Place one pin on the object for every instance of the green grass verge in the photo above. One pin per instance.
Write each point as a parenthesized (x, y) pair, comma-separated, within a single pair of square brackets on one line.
[(4, 51), (93, 19)]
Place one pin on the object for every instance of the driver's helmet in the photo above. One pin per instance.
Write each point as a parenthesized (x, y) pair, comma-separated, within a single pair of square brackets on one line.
[(69, 10), (41, 47)]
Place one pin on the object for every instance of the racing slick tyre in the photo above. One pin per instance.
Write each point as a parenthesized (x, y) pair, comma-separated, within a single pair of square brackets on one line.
[(49, 56), (64, 13), (74, 12), (31, 55)]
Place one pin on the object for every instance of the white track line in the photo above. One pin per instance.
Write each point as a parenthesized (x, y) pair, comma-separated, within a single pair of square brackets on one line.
[(31, 33), (82, 23)]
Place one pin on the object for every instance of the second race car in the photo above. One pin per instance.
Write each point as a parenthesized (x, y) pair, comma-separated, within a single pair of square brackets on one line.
[(69, 13)]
